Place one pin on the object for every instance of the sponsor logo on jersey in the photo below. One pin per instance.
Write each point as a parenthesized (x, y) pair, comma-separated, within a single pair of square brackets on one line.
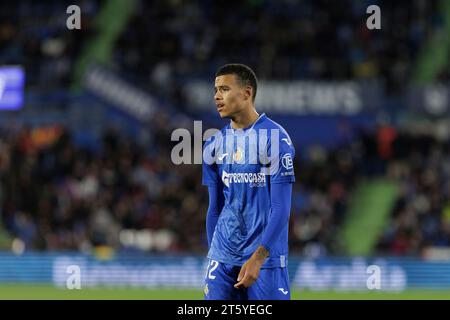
[(252, 178)]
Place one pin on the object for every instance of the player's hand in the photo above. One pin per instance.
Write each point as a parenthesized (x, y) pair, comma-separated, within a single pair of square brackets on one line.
[(250, 270)]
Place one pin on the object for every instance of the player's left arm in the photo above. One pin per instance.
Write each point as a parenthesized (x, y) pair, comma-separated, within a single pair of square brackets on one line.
[(280, 194)]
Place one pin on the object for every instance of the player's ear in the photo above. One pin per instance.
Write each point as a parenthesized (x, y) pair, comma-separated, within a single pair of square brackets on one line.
[(248, 92)]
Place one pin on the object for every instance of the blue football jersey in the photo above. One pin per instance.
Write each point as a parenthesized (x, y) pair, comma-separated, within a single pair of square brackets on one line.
[(244, 163)]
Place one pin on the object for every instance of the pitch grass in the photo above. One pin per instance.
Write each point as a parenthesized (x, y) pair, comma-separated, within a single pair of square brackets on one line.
[(46, 292)]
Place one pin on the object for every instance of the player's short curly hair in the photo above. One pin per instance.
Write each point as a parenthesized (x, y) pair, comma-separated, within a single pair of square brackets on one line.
[(244, 74)]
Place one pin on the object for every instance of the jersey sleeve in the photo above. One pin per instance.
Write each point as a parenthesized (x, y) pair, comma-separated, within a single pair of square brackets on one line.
[(280, 195), (282, 170), (210, 175)]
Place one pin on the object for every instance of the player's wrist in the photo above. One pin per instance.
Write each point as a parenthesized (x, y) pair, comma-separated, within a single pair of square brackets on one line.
[(261, 254)]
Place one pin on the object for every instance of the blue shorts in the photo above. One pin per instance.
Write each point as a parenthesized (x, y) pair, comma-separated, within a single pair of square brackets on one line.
[(272, 284)]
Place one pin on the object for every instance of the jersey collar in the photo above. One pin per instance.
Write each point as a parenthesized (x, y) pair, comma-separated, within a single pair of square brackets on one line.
[(260, 119)]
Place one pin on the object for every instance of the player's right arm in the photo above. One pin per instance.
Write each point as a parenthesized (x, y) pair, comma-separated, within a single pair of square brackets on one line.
[(216, 201), (215, 190)]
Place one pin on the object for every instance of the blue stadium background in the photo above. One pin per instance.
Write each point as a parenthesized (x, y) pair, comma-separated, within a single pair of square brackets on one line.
[(85, 170)]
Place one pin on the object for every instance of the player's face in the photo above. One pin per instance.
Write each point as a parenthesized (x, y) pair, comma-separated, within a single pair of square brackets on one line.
[(229, 95)]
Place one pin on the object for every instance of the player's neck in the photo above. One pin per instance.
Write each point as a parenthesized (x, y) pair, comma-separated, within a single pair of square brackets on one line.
[(244, 119)]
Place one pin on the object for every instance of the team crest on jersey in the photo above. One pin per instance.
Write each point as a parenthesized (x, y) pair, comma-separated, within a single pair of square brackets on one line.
[(238, 155), (205, 289)]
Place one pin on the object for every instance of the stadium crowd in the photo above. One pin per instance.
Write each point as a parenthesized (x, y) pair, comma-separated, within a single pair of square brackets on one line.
[(420, 217), (34, 34), (282, 40), (57, 195), (168, 41)]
